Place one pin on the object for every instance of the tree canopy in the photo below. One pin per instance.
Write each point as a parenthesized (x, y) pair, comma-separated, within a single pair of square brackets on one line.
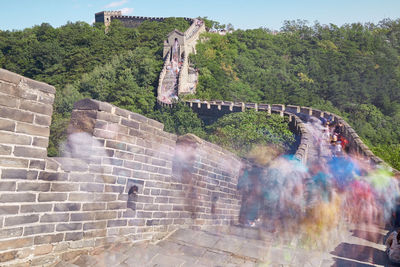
[(353, 70)]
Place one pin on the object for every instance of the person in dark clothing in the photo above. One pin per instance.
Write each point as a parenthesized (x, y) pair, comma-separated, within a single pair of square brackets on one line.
[(338, 129)]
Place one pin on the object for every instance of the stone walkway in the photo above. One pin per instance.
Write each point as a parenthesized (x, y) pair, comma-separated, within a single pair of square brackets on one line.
[(237, 246)]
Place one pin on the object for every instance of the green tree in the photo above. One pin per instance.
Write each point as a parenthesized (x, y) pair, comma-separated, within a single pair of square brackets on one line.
[(180, 119), (240, 132)]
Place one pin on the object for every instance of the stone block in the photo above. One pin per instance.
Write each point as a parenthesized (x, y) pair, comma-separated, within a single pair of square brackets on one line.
[(33, 186), (46, 98), (7, 125), (59, 217), (115, 145), (108, 117), (38, 229), (84, 216), (40, 142), (122, 172), (8, 256), (133, 165), (17, 197), (7, 186), (49, 197), (105, 197), (104, 134), (91, 104), (30, 129), (114, 188), (44, 109), (105, 179), (15, 139), (73, 236), (122, 112), (93, 206), (116, 223), (89, 187), (62, 227), (72, 165), (11, 232), (138, 117), (5, 150), (105, 215), (64, 187), (137, 222), (42, 249), (48, 239), (16, 114), (140, 174), (123, 155), (155, 124), (37, 164), (41, 86), (52, 176), (95, 233), (18, 174), (83, 177), (7, 210), (9, 76), (130, 124), (62, 207), (16, 243), (81, 197), (135, 149), (95, 225), (31, 208), (116, 205), (42, 120), (30, 152)]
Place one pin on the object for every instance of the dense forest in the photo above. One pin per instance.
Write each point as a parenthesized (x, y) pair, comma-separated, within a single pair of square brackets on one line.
[(120, 66), (353, 70)]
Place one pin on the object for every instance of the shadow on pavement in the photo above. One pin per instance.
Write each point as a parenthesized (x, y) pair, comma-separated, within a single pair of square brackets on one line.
[(369, 236), (347, 263), (361, 253)]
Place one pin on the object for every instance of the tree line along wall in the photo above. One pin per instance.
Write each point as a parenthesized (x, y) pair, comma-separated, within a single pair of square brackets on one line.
[(122, 178)]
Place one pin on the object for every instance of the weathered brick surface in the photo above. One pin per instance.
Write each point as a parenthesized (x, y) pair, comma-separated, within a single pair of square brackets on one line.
[(38, 229), (126, 178)]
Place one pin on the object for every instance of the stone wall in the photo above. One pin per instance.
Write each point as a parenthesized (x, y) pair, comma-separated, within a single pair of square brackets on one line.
[(218, 108), (122, 178), (128, 21), (192, 35)]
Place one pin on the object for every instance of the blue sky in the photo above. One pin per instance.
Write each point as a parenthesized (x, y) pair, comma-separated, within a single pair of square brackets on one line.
[(19, 14)]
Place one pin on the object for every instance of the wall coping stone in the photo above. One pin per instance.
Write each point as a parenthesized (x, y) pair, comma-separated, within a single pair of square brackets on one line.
[(14, 78)]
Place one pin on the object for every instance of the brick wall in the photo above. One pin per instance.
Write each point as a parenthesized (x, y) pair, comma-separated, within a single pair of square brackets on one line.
[(122, 178), (218, 108)]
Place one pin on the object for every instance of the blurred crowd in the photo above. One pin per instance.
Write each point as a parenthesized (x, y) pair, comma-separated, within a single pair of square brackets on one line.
[(313, 201)]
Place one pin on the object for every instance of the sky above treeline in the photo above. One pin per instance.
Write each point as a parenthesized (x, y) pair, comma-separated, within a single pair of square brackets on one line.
[(250, 14)]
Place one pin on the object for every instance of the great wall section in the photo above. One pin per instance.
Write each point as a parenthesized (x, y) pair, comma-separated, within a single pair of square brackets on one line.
[(125, 180)]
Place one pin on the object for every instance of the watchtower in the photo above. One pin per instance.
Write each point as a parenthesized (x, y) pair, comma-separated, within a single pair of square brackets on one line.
[(105, 16)]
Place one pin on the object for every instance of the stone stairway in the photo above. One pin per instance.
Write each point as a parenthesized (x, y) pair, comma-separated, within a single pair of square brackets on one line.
[(169, 86), (239, 246)]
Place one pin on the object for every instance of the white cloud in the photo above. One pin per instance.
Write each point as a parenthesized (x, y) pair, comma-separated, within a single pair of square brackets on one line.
[(115, 4), (126, 10)]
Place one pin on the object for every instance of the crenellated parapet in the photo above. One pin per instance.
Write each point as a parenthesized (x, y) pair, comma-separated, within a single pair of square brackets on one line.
[(219, 108), (128, 21)]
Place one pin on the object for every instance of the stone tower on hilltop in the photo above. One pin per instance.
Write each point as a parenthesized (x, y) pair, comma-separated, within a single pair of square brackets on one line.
[(128, 21), (106, 16)]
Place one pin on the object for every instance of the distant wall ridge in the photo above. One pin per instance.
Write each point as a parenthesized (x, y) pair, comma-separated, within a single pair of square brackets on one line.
[(128, 21)]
